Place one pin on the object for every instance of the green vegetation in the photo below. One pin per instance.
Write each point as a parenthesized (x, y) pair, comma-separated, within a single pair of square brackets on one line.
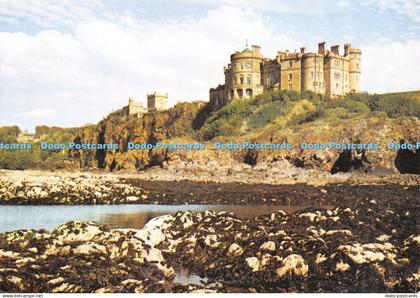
[(16, 160), (276, 115), (393, 104), (281, 109), (35, 158), (239, 117), (9, 134)]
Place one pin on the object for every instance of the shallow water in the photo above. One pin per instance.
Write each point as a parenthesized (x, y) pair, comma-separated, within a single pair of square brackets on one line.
[(115, 216)]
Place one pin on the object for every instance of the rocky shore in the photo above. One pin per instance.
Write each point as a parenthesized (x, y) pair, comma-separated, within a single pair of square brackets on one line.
[(158, 187), (371, 246), (65, 188)]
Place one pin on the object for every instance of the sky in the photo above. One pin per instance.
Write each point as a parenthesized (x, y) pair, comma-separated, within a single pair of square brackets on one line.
[(68, 63)]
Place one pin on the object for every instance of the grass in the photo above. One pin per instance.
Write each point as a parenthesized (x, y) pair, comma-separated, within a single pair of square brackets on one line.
[(282, 110)]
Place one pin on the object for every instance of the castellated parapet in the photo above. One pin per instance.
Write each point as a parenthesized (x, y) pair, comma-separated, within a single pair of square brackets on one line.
[(157, 101), (325, 72), (132, 109)]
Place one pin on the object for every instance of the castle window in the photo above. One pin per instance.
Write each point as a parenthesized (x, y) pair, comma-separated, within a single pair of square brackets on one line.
[(248, 80), (240, 93), (249, 92), (290, 77), (290, 63), (290, 87), (248, 65), (336, 86), (241, 80), (336, 76)]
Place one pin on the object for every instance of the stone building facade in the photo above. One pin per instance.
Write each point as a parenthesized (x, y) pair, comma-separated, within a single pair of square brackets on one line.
[(157, 101), (325, 72), (132, 109)]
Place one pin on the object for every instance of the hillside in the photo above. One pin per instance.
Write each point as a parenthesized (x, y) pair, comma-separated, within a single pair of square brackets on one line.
[(406, 94), (291, 117), (276, 117)]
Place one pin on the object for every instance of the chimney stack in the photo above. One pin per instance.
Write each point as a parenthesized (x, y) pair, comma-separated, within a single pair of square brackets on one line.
[(335, 49), (347, 46), (256, 49), (321, 48), (302, 50)]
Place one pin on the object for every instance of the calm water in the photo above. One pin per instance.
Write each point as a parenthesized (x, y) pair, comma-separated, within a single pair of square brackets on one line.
[(115, 216)]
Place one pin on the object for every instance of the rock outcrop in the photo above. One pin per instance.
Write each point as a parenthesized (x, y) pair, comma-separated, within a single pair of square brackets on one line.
[(176, 125), (33, 188), (370, 247)]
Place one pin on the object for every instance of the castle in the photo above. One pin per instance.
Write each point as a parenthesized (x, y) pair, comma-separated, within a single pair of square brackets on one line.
[(325, 72), (155, 102)]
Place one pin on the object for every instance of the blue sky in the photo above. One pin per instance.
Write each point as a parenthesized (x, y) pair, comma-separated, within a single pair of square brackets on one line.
[(68, 63)]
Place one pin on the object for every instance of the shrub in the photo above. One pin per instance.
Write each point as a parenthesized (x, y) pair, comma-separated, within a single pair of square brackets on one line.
[(16, 160), (354, 106), (301, 112), (267, 114), (394, 105)]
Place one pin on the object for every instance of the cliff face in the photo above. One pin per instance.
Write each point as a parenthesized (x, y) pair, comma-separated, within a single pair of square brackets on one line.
[(375, 129), (271, 119), (149, 127)]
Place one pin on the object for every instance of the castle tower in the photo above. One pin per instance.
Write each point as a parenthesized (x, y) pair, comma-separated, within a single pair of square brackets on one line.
[(134, 108), (157, 101), (243, 75), (313, 72), (354, 66)]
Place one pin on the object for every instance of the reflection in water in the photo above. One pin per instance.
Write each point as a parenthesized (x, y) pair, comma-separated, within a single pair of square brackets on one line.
[(115, 216), (183, 277)]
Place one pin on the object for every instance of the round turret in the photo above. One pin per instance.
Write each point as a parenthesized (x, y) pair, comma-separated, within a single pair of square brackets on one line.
[(244, 75), (313, 72), (354, 69)]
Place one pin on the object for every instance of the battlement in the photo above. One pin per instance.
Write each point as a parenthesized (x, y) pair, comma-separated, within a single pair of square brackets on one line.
[(155, 102)]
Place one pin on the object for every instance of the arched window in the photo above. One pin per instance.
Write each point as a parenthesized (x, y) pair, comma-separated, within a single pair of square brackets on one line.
[(240, 93), (249, 92), (248, 80), (241, 80)]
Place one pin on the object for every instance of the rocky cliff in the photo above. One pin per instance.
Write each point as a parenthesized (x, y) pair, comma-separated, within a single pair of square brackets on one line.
[(273, 118)]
